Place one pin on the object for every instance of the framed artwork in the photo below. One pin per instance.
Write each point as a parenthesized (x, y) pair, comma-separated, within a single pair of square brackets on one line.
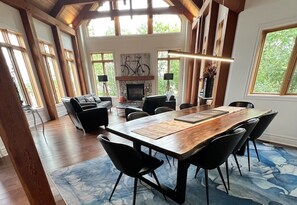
[(137, 64)]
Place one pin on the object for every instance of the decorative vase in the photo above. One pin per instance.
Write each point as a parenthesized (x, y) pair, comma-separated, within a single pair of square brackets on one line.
[(122, 99), (208, 86), (168, 95)]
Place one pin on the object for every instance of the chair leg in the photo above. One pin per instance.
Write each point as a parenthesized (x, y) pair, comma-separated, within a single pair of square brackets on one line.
[(227, 173), (135, 189), (168, 160), (206, 185), (218, 168), (155, 176), (115, 186), (234, 155), (197, 170), (254, 142), (248, 151)]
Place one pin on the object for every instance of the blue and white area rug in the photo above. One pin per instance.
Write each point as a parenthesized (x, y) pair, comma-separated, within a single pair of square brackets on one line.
[(272, 181)]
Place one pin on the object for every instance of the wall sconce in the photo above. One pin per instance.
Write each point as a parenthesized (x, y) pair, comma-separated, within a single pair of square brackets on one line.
[(168, 77), (199, 56), (103, 79)]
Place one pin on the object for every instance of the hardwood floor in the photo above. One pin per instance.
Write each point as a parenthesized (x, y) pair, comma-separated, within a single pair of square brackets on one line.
[(64, 146)]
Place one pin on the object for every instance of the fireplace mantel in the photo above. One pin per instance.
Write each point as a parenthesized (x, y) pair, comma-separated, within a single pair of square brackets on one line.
[(134, 78)]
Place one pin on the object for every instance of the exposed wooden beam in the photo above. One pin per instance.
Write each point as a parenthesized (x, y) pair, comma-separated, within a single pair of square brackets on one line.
[(223, 72), (27, 20), (69, 2), (185, 11), (19, 143), (57, 9), (78, 20), (61, 56), (113, 13), (40, 15), (236, 6), (79, 65)]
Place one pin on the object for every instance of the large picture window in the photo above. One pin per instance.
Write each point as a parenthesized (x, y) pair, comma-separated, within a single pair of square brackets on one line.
[(103, 64), (168, 64), (52, 70), (16, 57), (275, 70), (137, 24), (72, 72)]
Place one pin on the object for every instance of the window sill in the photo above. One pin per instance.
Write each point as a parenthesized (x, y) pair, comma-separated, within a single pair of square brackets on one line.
[(292, 98)]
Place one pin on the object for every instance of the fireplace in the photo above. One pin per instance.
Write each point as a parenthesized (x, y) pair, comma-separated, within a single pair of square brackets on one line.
[(135, 91)]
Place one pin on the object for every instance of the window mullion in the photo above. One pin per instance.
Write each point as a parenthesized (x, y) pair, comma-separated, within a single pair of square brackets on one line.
[(290, 70), (18, 74)]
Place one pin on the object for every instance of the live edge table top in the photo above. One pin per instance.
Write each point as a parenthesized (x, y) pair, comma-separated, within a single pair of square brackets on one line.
[(184, 143)]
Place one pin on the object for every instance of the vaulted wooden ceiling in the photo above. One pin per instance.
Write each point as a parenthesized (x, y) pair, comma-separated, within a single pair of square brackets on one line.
[(75, 11)]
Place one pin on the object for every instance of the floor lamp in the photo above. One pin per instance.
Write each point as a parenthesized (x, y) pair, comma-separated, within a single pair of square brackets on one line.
[(103, 79), (168, 77)]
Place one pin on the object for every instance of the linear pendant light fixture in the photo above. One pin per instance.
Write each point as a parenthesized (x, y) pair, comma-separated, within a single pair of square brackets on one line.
[(199, 56)]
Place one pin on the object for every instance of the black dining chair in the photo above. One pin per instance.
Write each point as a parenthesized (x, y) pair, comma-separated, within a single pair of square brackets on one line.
[(136, 115), (248, 126), (185, 105), (215, 154), (159, 110), (130, 162), (263, 123), (242, 104)]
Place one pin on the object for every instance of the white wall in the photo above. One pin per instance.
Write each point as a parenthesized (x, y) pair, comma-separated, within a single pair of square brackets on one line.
[(129, 45), (259, 15)]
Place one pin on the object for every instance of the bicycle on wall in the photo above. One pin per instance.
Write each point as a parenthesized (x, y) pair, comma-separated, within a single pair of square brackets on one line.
[(135, 67)]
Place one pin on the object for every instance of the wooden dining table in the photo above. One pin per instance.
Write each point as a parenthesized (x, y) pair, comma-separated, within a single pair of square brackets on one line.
[(180, 140)]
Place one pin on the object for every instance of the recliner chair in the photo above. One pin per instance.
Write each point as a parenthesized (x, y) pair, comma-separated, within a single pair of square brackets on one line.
[(85, 118), (150, 103)]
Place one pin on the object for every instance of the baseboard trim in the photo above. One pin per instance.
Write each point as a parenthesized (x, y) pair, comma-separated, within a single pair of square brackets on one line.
[(282, 140)]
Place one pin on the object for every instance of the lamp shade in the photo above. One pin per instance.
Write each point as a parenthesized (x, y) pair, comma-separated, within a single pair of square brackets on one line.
[(102, 78), (168, 76)]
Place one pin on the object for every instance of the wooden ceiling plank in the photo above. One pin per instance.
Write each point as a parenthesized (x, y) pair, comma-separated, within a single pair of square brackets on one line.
[(39, 14)]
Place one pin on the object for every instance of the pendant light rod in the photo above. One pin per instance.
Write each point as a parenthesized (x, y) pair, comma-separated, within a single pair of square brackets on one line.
[(199, 56)]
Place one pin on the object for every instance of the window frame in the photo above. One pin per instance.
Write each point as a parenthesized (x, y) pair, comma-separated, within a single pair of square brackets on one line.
[(168, 59), (292, 63), (70, 63), (104, 71), (51, 55), (11, 48)]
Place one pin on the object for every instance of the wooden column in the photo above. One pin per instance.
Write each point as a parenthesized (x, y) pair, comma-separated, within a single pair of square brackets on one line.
[(39, 65), (223, 71), (62, 61), (79, 65), (19, 143)]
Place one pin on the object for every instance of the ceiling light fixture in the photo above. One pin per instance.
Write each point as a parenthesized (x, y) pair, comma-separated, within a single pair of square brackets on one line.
[(199, 56)]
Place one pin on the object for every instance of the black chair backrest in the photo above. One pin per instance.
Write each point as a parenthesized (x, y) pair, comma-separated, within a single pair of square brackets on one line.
[(218, 150), (162, 109), (185, 105), (125, 158), (263, 123), (136, 115), (242, 104), (248, 126)]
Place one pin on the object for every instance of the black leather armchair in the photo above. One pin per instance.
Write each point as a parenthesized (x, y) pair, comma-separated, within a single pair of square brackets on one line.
[(85, 118), (150, 103)]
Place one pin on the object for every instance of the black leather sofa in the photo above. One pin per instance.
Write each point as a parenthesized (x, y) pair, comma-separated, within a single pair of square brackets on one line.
[(150, 103), (85, 117), (93, 99)]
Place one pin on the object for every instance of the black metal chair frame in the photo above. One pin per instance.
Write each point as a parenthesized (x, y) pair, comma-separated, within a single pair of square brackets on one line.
[(262, 125), (130, 162), (215, 154)]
